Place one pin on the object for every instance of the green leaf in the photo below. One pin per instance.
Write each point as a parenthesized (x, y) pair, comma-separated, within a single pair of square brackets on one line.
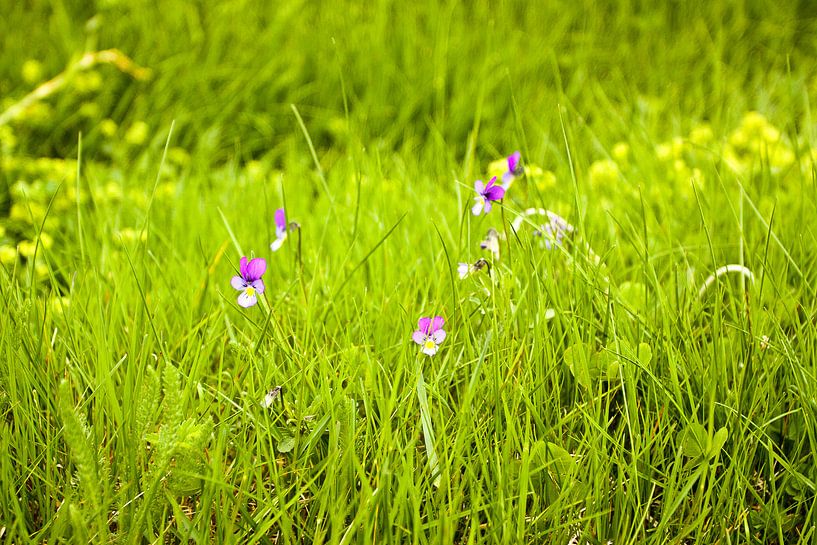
[(644, 354), (695, 440), (561, 459), (553, 472), (172, 414), (428, 429), (605, 364), (147, 404), (577, 358), (632, 295), (717, 442), (613, 368), (287, 443)]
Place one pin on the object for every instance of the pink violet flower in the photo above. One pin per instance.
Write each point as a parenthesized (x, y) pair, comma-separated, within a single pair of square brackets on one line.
[(486, 194), (249, 282), (514, 169), (280, 230), (429, 334)]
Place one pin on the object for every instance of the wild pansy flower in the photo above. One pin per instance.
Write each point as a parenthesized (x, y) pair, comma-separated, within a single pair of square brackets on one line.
[(281, 228), (486, 194), (514, 169), (271, 396), (553, 232), (467, 269), (491, 242), (429, 334), (249, 282)]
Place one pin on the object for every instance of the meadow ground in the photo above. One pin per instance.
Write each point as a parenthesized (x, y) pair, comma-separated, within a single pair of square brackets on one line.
[(636, 367)]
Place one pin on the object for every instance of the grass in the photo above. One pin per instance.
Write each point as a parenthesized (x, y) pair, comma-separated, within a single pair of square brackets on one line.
[(583, 394)]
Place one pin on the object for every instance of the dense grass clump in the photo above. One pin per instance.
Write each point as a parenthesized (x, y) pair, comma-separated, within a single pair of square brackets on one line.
[(629, 337)]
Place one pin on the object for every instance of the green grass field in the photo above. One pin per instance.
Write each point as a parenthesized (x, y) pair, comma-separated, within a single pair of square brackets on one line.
[(649, 376)]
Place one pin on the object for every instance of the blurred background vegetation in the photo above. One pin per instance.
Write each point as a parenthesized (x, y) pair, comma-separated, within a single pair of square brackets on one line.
[(415, 77)]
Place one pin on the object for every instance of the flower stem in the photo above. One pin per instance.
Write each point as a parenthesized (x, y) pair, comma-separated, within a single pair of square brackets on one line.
[(507, 235), (301, 269), (281, 341), (268, 310), (428, 430)]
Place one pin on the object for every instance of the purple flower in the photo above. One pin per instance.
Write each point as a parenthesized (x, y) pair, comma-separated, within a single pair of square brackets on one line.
[(280, 229), (429, 334), (514, 169), (249, 281), (486, 194)]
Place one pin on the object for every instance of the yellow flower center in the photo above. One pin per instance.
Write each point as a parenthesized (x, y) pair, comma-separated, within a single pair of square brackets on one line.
[(429, 344), (250, 291)]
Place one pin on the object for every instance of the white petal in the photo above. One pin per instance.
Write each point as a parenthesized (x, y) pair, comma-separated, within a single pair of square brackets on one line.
[(493, 247), (277, 243), (431, 350), (238, 283), (246, 300)]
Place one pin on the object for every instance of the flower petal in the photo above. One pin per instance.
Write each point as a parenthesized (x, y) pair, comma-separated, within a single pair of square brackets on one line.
[(430, 350), (489, 185), (270, 397), (507, 179), (419, 337), (463, 269), (492, 246), (487, 206), (513, 162), (242, 269), (246, 300), (437, 323), (238, 283), (276, 244), (477, 208), (423, 324), (495, 193), (280, 219), (438, 336), (479, 187), (256, 268), (258, 285)]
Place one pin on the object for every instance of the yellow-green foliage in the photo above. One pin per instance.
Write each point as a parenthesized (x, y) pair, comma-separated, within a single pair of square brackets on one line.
[(88, 510)]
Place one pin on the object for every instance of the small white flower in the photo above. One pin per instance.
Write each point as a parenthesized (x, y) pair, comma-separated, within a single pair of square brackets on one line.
[(271, 396)]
